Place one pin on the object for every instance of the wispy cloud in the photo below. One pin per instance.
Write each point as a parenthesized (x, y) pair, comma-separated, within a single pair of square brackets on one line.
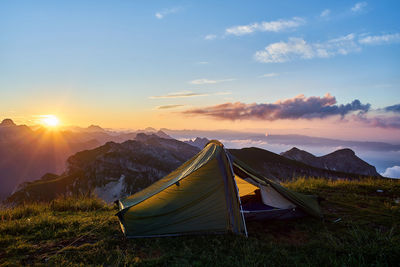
[(183, 94), (387, 117), (202, 62), (161, 14), (169, 106), (359, 7), (299, 107), (380, 120), (186, 94), (325, 13), (210, 37), (266, 26), (299, 48), (208, 81), (268, 75), (380, 39)]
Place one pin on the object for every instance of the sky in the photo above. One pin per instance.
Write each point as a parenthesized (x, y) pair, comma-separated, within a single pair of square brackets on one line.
[(320, 68)]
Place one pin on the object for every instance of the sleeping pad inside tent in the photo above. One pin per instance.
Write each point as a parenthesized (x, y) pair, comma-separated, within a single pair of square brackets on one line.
[(211, 193)]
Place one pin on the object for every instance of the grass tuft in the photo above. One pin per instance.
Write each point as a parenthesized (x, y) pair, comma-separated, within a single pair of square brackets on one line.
[(78, 204)]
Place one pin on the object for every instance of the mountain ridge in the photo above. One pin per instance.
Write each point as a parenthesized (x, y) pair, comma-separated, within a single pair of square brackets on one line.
[(344, 160), (111, 171), (29, 152), (116, 170)]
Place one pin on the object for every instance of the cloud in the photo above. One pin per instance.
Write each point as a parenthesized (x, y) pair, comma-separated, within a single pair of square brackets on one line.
[(186, 94), (179, 95), (210, 37), (380, 39), (392, 172), (381, 121), (387, 117), (270, 26), (391, 122), (359, 7), (167, 11), (394, 108), (169, 106), (299, 107), (202, 62), (299, 48), (234, 143), (268, 75), (207, 81), (325, 13)]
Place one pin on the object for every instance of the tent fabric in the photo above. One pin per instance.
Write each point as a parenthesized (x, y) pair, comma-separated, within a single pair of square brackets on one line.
[(201, 196), (272, 198), (244, 187)]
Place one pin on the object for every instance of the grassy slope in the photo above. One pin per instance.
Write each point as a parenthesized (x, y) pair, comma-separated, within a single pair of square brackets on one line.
[(84, 231)]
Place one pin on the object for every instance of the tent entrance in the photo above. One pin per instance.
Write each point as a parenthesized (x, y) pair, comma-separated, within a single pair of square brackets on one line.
[(250, 191), (251, 196), (263, 202)]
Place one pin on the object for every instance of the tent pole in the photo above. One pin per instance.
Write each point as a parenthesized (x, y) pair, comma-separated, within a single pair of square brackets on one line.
[(237, 192)]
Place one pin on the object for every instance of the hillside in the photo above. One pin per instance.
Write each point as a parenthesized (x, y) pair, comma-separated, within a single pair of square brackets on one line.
[(277, 167), (360, 228), (110, 171)]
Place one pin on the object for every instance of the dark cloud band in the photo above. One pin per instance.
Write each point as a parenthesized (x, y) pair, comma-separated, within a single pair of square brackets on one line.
[(299, 107), (394, 108)]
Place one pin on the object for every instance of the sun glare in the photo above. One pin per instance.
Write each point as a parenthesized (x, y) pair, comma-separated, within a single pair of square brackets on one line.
[(50, 120)]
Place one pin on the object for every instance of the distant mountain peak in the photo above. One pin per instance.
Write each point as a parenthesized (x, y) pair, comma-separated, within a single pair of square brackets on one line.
[(163, 135), (198, 142), (143, 136), (294, 150), (7, 123), (95, 128), (299, 155), (150, 129), (345, 151)]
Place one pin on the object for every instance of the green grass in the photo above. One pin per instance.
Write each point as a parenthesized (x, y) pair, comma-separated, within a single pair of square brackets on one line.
[(84, 231)]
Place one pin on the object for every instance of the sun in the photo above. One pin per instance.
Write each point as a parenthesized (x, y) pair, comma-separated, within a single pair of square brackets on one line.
[(50, 120)]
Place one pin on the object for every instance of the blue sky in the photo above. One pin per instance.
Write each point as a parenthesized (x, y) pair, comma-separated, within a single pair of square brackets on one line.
[(128, 63)]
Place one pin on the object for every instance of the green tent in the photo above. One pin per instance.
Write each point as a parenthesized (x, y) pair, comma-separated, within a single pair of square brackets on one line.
[(210, 193)]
